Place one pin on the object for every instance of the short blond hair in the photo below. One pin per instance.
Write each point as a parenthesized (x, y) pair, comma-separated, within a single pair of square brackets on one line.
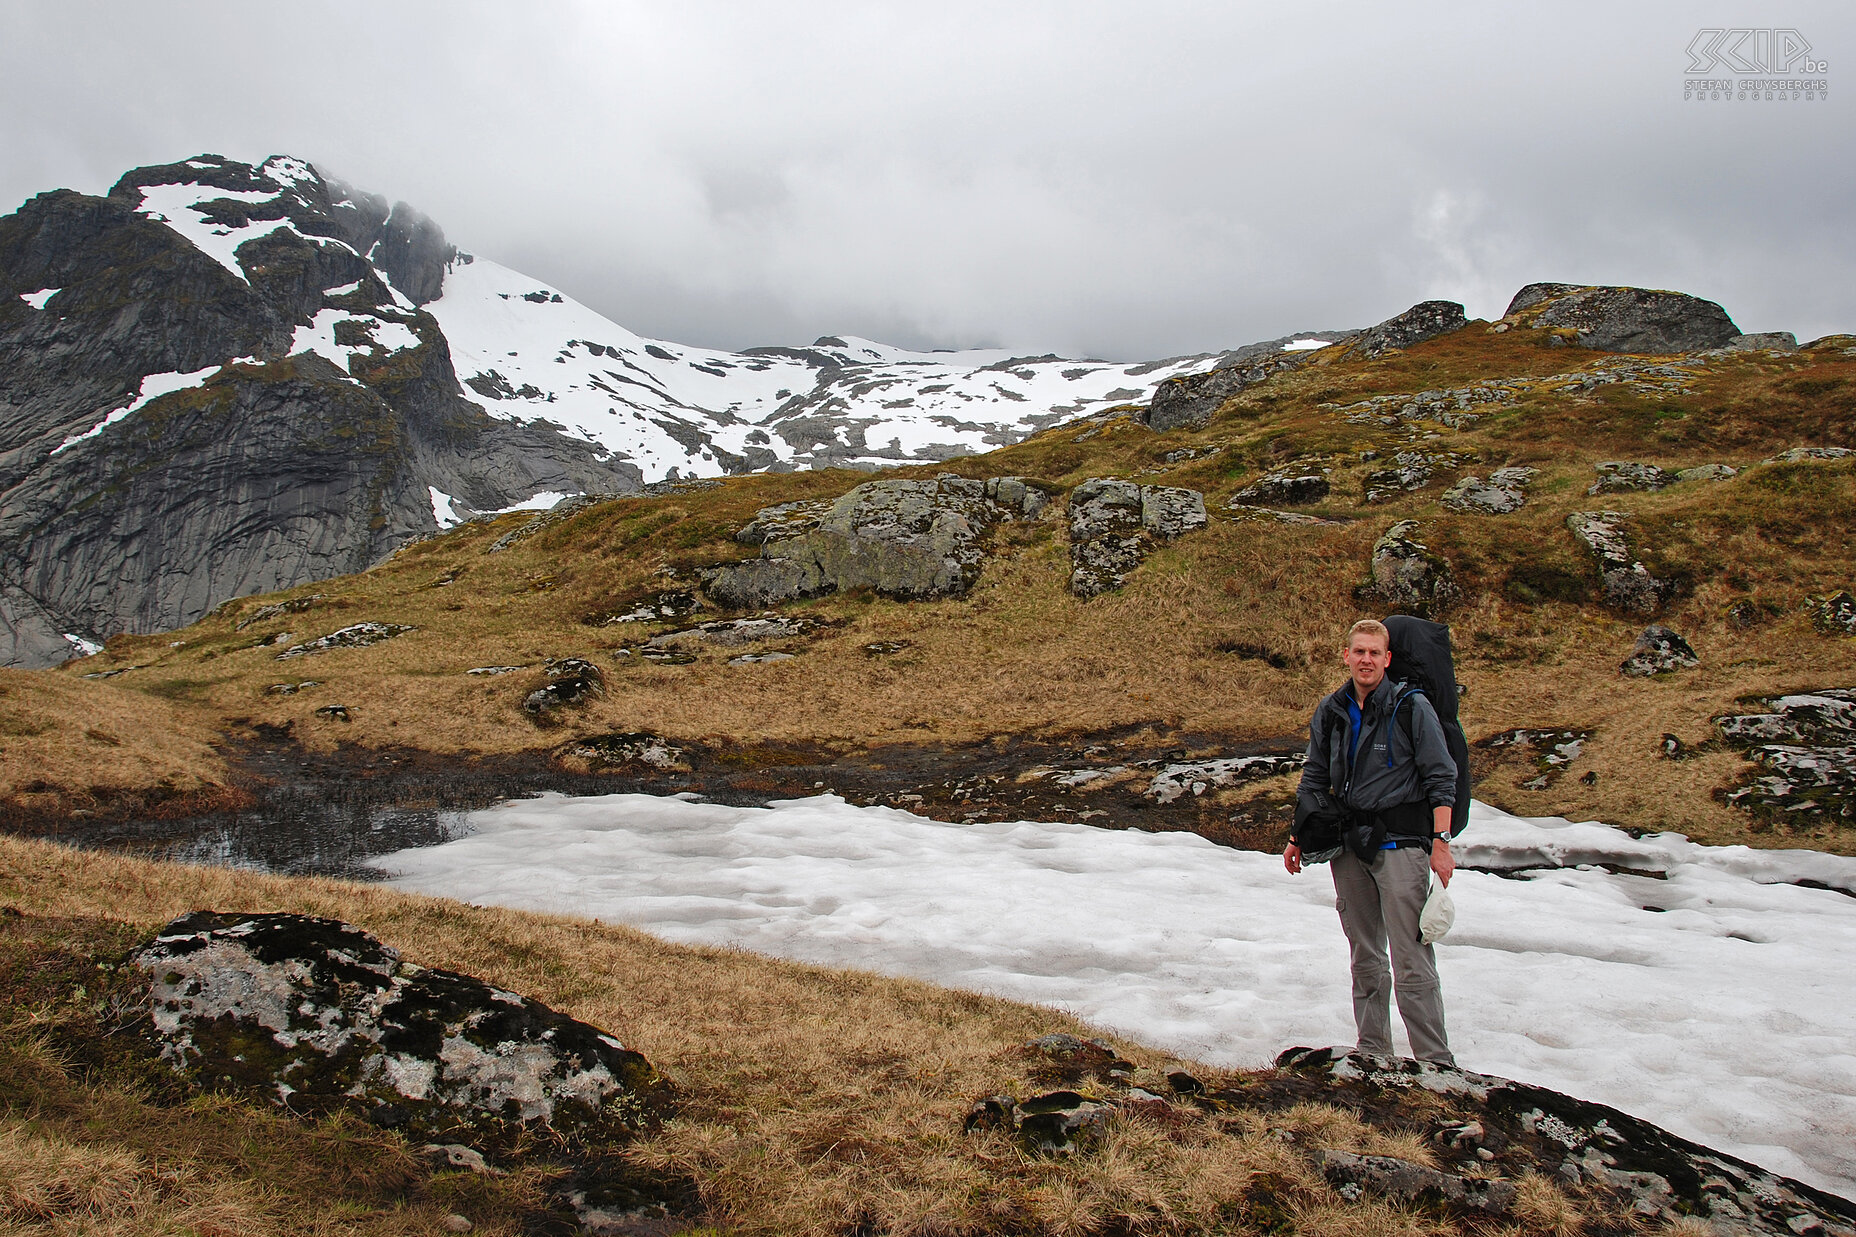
[(1368, 627)]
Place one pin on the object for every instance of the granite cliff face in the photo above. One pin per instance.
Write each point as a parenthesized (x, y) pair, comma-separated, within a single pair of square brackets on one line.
[(218, 380)]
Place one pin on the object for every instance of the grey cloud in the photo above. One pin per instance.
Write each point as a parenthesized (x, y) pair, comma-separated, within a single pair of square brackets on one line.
[(1088, 178)]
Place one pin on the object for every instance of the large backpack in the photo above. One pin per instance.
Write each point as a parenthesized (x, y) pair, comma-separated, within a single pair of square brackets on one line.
[(1421, 658)]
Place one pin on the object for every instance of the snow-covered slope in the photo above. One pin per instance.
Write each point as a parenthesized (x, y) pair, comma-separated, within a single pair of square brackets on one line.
[(528, 350)]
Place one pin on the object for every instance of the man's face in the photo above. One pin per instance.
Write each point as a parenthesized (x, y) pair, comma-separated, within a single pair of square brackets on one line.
[(1367, 658)]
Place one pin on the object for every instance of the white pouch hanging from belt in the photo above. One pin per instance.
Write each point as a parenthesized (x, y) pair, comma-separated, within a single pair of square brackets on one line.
[(1438, 914)]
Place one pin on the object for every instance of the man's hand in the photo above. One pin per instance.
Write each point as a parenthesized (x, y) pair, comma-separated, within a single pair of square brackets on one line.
[(1292, 858), (1442, 861)]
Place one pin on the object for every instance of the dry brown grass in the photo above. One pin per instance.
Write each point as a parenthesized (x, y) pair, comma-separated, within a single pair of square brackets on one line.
[(817, 1101), (1021, 656), (98, 740)]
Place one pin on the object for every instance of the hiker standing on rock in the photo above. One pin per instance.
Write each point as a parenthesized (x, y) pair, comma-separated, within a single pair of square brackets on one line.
[(1376, 797)]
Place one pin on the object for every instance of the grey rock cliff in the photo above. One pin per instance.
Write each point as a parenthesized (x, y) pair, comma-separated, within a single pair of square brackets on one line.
[(274, 468)]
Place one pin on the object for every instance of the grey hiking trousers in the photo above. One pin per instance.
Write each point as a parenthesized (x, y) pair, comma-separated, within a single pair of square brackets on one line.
[(1379, 903)]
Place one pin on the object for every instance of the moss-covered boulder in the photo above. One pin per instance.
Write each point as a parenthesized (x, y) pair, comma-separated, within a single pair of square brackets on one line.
[(904, 539), (317, 1015)]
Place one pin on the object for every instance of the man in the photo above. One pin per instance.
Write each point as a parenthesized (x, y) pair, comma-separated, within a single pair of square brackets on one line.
[(1377, 748)]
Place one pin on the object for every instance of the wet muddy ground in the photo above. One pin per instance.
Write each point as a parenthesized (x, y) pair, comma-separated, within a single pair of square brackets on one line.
[(300, 811)]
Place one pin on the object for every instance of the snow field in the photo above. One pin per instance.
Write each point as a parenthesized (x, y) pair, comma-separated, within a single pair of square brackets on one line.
[(1708, 1002)]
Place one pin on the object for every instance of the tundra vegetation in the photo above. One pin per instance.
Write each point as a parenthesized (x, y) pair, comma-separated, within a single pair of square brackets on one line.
[(834, 1102)]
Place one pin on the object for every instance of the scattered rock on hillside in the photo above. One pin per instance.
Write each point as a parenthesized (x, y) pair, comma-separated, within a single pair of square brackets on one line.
[(571, 680), (1291, 488), (1766, 341), (1628, 584), (1798, 455), (1834, 615), (1353, 1175), (629, 748), (1425, 320), (1553, 751), (1707, 472), (1648, 1171), (1407, 576), (1411, 470), (1623, 319), (1806, 743), (1245, 511), (668, 606), (1058, 1123), (1188, 401), (904, 539), (295, 605), (1622, 477), (1195, 777), (318, 1016), (1658, 651), (357, 636), (1114, 523), (1503, 492), (731, 632)]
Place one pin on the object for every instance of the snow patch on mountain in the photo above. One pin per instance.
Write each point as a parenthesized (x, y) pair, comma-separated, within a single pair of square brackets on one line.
[(529, 352), (38, 299), (153, 387), (381, 335)]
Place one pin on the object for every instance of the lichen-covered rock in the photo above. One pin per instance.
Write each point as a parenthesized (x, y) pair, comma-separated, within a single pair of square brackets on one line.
[(1658, 651), (1244, 511), (1503, 492), (1834, 615), (1623, 477), (317, 1015), (1352, 1175), (904, 539), (1627, 584), (1623, 319), (1707, 472), (1804, 748), (1174, 781), (1764, 341), (1798, 455), (731, 632), (571, 680), (1425, 320), (355, 636), (1646, 1170), (664, 606), (1057, 1123), (1411, 470), (1290, 488), (1408, 576), (635, 747), (1113, 524), (1188, 401)]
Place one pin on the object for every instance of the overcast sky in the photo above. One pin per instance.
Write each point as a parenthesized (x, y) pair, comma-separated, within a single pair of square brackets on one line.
[(1109, 179)]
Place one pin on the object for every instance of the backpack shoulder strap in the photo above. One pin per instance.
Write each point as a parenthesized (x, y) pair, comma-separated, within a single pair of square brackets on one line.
[(1409, 690)]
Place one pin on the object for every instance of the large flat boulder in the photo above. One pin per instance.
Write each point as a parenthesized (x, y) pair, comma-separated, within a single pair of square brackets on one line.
[(1640, 320)]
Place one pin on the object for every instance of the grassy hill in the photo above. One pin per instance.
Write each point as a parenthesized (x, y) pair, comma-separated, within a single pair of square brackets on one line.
[(1220, 642)]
